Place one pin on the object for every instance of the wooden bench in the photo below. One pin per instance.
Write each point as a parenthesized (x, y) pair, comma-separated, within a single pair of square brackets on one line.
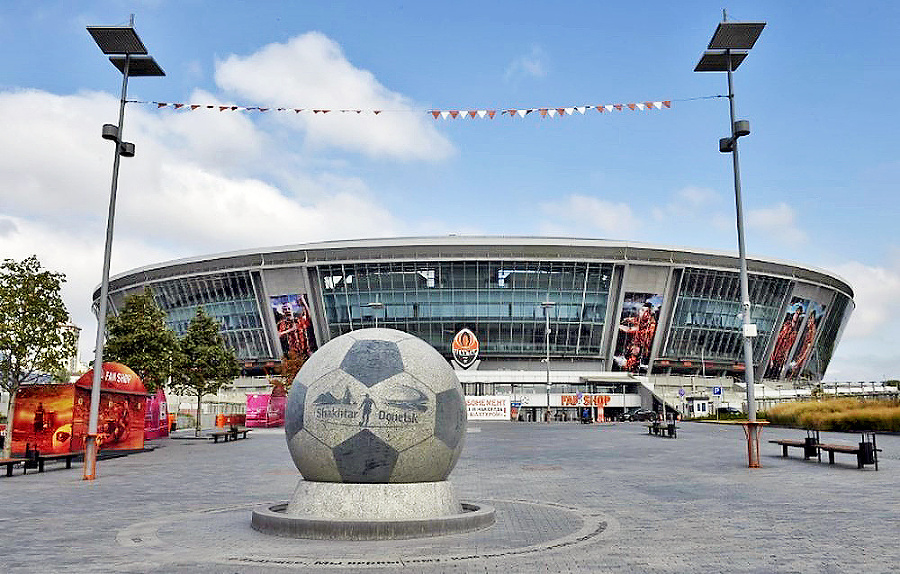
[(67, 456), (34, 458), (663, 429), (230, 434), (809, 445), (11, 462), (866, 451)]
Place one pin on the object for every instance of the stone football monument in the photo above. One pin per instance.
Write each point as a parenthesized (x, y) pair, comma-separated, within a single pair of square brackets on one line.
[(375, 422)]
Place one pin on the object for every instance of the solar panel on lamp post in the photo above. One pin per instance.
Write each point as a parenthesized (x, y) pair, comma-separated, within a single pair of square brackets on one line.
[(728, 48), (131, 59)]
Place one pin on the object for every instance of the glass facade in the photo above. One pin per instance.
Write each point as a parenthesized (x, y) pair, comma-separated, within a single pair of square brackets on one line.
[(434, 290), (228, 297), (706, 322), (499, 301)]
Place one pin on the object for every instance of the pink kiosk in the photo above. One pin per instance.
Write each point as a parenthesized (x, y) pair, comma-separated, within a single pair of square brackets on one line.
[(266, 409), (156, 417)]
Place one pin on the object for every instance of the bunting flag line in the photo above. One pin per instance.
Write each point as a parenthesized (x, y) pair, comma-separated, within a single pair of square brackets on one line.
[(436, 114)]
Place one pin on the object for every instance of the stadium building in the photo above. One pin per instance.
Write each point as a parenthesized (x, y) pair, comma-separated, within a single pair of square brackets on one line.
[(630, 325)]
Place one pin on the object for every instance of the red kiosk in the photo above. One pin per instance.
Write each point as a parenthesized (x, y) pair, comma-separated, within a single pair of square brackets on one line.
[(53, 418)]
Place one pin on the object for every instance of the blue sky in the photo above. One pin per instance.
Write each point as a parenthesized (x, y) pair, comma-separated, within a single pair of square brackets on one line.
[(820, 168)]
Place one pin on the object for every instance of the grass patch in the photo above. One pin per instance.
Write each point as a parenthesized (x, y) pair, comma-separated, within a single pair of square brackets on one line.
[(846, 414)]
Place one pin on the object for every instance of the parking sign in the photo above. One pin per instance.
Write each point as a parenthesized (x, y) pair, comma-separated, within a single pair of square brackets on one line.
[(717, 391)]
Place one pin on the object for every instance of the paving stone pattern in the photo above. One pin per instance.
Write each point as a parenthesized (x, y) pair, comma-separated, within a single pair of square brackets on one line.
[(569, 498)]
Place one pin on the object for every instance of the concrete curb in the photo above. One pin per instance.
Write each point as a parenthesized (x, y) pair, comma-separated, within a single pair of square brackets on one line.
[(273, 520)]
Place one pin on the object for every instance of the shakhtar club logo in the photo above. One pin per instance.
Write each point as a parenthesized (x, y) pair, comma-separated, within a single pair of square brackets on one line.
[(465, 348)]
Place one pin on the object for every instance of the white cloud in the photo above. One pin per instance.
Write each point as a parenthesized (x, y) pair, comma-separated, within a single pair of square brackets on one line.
[(200, 182), (698, 197), (868, 348), (311, 72), (580, 215), (877, 296), (777, 223), (690, 202), (531, 65)]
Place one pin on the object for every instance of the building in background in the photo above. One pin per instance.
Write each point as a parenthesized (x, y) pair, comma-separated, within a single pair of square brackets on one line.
[(632, 325)]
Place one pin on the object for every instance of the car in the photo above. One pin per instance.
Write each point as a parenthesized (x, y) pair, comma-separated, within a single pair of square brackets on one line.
[(730, 411), (641, 415)]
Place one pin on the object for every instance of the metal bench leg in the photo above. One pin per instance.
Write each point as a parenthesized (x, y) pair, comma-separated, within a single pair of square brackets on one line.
[(41, 465), (9, 470), (830, 457), (784, 450)]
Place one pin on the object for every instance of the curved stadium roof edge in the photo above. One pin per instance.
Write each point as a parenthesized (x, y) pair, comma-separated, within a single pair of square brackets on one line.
[(468, 246)]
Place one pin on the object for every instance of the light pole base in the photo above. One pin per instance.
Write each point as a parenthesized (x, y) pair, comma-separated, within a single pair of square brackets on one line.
[(91, 445), (751, 431)]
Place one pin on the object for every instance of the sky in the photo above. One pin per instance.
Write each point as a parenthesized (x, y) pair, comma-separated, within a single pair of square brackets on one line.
[(819, 170)]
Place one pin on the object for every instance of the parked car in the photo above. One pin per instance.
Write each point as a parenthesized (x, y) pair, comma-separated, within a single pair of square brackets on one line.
[(730, 411), (640, 415)]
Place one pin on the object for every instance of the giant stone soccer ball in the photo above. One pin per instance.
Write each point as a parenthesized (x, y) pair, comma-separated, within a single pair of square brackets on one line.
[(375, 406)]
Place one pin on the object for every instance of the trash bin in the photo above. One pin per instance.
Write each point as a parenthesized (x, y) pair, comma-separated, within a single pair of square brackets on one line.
[(866, 453), (172, 423), (810, 448)]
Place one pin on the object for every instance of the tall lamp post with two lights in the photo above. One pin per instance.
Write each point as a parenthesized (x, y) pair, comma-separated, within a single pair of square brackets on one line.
[(129, 55), (547, 305), (728, 47), (376, 305)]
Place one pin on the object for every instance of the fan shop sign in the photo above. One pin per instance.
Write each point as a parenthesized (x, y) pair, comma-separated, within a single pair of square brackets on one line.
[(584, 400), (488, 408)]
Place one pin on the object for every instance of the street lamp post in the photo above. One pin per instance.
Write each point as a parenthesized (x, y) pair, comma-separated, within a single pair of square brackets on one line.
[(376, 305), (130, 57), (547, 305), (728, 47)]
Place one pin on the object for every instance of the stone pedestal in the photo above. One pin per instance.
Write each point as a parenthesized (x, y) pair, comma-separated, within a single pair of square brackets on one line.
[(350, 511), (341, 501)]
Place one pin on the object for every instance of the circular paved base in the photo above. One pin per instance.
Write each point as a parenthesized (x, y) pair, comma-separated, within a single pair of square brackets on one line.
[(196, 540), (273, 520)]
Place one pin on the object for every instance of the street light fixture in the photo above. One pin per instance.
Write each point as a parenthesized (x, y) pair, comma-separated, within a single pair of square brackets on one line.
[(375, 305), (131, 59), (547, 305), (727, 50)]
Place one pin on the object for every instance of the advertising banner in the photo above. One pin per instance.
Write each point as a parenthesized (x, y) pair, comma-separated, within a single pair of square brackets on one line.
[(488, 408), (43, 419), (54, 418), (803, 350), (790, 327), (294, 322), (637, 329), (798, 334)]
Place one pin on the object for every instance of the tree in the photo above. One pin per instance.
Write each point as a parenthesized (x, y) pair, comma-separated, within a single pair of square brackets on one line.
[(138, 337), (31, 340), (203, 363), (290, 364)]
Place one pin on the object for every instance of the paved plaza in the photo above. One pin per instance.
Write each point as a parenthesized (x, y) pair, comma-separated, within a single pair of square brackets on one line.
[(569, 498)]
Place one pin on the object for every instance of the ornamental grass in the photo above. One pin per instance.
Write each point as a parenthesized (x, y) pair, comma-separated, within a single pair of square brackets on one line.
[(845, 414)]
